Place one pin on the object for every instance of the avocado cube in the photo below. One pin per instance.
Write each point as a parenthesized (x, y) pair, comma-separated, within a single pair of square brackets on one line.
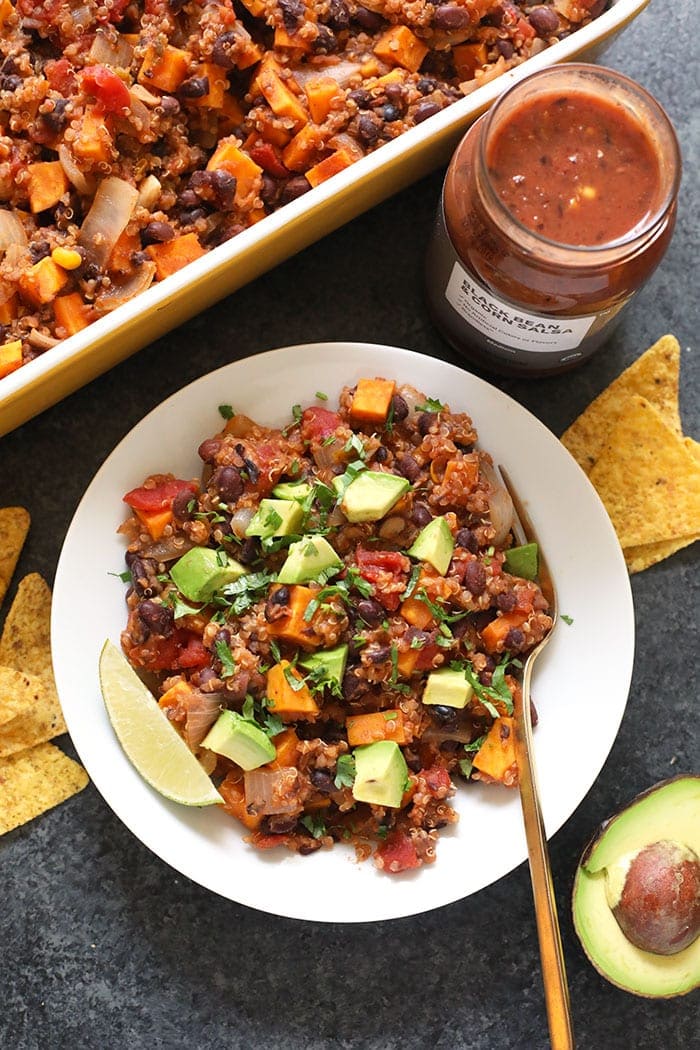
[(199, 573), (447, 688), (522, 561), (382, 774), (371, 495), (276, 517), (240, 740), (308, 557), (435, 545), (297, 490), (329, 661)]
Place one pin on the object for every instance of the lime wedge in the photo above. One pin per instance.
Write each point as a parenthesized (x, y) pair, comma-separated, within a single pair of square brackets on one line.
[(150, 742)]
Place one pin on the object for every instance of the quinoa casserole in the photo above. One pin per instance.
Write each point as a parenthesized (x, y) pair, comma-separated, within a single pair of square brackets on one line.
[(136, 136), (333, 618)]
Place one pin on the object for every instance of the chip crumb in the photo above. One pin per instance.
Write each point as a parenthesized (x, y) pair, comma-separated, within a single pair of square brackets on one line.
[(34, 781), (14, 526)]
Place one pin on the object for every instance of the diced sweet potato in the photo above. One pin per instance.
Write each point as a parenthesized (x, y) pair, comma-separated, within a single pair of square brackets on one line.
[(496, 756), (372, 400), (496, 632), (287, 700), (171, 697), (171, 256), (338, 161), (293, 627), (378, 725), (468, 58), (232, 791), (47, 184), (291, 41), (298, 155), (93, 141), (286, 748), (120, 259), (279, 98), (10, 357), (6, 9), (218, 85), (155, 521), (401, 47), (321, 93), (232, 159), (165, 71), (8, 306), (42, 282), (71, 313)]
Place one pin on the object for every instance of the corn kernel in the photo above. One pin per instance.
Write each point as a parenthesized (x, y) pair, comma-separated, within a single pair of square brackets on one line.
[(67, 258), (588, 193)]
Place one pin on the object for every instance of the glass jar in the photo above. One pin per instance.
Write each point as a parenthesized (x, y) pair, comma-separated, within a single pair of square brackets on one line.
[(504, 285)]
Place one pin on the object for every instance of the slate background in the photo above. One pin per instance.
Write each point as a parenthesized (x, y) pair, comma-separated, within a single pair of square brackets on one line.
[(104, 946)]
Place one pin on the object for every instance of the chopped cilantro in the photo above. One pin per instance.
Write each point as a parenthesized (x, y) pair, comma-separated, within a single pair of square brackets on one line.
[(567, 619), (354, 444), (431, 405), (293, 682), (221, 558), (296, 413), (310, 610), (244, 592), (321, 396), (180, 607), (248, 709), (413, 580), (125, 576), (328, 440), (498, 690), (345, 771), (314, 824), (466, 765), (275, 650), (272, 519), (351, 472), (382, 831), (228, 664), (394, 663), (226, 411), (294, 467), (475, 745), (389, 425)]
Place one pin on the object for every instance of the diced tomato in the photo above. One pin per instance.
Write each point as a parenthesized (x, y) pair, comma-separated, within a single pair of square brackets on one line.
[(388, 571), (426, 655), (183, 649), (116, 11), (61, 76), (318, 423), (398, 853), (193, 653), (266, 156), (525, 30), (157, 497), (262, 841), (110, 90), (437, 779)]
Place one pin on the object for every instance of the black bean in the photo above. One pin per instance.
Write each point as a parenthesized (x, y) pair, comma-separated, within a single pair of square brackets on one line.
[(293, 188), (223, 635), (361, 97), (57, 119), (221, 50), (270, 189), (10, 83), (195, 87), (505, 48), (338, 14), (309, 846), (326, 42), (353, 686), (544, 20), (425, 422), (228, 483), (421, 515), (176, 5), (322, 781), (280, 596), (426, 85), (534, 717), (182, 504), (39, 250), (515, 638), (224, 186), (292, 13), (207, 674), (394, 92), (390, 113), (380, 655), (138, 258), (450, 746), (188, 198), (169, 105), (424, 110), (443, 715), (506, 602), (399, 409), (466, 538), (450, 16), (413, 761), (251, 468), (368, 130), (157, 233), (280, 824), (475, 578), (369, 20), (157, 618), (90, 272), (9, 65), (209, 449), (381, 455), (191, 215), (371, 611), (408, 466), (248, 551)]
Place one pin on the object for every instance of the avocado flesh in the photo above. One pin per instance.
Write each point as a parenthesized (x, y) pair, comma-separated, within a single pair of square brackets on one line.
[(670, 810), (308, 557), (522, 561), (297, 490), (198, 574), (448, 689), (435, 545), (276, 517), (381, 774), (332, 661), (240, 740), (371, 495)]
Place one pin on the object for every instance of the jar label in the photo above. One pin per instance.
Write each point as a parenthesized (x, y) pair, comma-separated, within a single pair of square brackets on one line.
[(508, 326)]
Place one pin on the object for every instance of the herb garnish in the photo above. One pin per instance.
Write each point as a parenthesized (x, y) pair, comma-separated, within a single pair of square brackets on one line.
[(228, 664), (314, 824), (244, 592), (567, 619), (431, 405), (226, 411)]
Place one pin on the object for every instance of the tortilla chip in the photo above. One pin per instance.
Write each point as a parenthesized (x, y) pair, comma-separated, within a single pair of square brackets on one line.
[(14, 526), (34, 781), (639, 558), (693, 447), (40, 723), (647, 479), (18, 694), (653, 376), (25, 643)]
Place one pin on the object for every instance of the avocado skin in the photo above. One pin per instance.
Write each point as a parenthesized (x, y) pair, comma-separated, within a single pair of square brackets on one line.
[(624, 965)]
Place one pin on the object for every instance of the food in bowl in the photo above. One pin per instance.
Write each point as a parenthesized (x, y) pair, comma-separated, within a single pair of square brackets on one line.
[(333, 618), (135, 137)]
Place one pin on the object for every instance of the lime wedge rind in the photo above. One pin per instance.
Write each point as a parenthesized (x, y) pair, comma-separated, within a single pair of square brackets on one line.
[(148, 739)]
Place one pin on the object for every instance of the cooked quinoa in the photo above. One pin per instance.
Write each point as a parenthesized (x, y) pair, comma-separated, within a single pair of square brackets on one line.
[(136, 136), (323, 665)]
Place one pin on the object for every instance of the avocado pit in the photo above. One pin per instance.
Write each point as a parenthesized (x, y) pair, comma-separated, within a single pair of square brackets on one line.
[(654, 895)]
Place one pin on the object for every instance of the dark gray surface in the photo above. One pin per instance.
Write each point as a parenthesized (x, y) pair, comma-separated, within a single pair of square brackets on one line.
[(102, 945)]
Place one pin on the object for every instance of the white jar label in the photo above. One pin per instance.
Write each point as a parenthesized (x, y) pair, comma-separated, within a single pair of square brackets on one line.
[(509, 326)]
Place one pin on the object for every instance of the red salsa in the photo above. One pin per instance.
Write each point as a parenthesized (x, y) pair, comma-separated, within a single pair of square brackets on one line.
[(575, 168)]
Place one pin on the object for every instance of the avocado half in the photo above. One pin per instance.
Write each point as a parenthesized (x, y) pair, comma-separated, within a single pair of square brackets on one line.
[(668, 811)]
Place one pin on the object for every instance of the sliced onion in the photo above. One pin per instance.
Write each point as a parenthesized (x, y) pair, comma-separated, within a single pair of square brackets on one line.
[(241, 426), (149, 192), (105, 222), (500, 503), (272, 791), (108, 51), (202, 711), (348, 143), (240, 521), (82, 182), (140, 115), (11, 229), (139, 281), (341, 72), (412, 397), (40, 341), (438, 735), (144, 95), (168, 549)]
